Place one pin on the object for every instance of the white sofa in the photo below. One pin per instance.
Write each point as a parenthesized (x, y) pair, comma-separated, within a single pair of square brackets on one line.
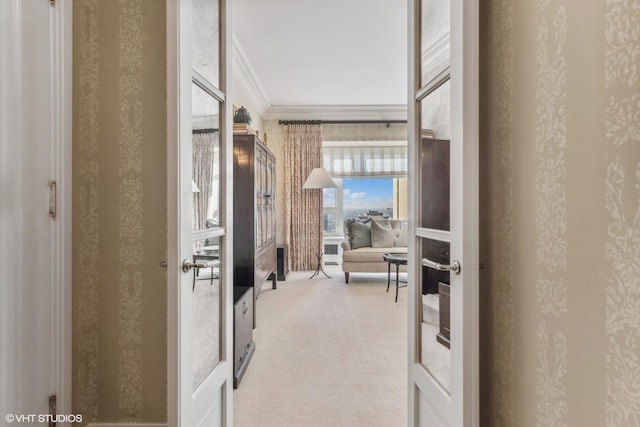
[(387, 236)]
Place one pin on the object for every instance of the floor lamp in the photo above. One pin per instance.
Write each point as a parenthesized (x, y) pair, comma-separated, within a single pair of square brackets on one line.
[(318, 179)]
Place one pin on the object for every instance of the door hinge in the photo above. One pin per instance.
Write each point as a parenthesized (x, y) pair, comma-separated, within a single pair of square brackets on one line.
[(53, 196), (53, 401)]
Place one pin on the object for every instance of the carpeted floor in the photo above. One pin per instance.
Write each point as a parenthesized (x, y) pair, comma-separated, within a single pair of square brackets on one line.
[(327, 354)]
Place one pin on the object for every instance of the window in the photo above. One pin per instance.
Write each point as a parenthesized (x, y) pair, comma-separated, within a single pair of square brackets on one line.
[(371, 178), (365, 198), (332, 206)]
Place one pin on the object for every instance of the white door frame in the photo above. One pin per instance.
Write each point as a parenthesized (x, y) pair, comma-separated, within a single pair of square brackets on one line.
[(462, 409), (182, 412), (62, 136), (13, 24), (10, 261)]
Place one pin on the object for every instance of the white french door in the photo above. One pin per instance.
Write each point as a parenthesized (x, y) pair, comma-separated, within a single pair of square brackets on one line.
[(200, 275), (35, 208), (443, 201)]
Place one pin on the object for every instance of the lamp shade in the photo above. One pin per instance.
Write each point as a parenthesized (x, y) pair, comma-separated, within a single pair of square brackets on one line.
[(319, 178)]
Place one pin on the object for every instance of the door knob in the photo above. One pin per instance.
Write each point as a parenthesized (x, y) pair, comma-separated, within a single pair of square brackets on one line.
[(454, 266), (187, 265)]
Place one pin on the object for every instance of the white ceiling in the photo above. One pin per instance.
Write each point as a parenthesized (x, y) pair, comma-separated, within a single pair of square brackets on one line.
[(325, 53)]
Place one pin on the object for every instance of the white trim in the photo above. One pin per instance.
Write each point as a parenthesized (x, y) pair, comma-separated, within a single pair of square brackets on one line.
[(226, 205), (438, 80), (10, 194), (61, 168), (12, 162), (336, 112), (204, 84), (465, 16), (174, 404), (430, 233), (433, 391), (207, 233), (247, 78), (464, 212), (414, 294)]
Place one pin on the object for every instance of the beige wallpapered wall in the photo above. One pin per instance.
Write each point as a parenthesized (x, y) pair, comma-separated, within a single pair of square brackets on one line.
[(560, 187), (119, 210)]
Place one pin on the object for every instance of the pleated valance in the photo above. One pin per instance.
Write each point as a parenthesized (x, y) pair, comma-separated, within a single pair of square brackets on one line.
[(363, 160)]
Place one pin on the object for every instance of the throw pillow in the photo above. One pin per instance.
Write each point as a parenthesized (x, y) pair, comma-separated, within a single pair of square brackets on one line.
[(359, 234), (381, 235)]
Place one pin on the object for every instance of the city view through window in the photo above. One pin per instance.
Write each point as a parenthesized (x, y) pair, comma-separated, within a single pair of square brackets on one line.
[(367, 196), (363, 199)]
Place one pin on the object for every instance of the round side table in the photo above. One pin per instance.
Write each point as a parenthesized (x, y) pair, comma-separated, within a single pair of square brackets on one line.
[(398, 260)]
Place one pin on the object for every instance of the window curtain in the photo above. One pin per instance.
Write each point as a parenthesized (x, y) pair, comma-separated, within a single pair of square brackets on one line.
[(303, 227), (204, 149), (355, 161)]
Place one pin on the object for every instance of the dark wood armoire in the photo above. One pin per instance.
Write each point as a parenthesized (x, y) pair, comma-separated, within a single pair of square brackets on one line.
[(254, 216)]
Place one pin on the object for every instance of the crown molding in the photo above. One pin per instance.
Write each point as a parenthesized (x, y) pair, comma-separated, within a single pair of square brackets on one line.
[(336, 112), (246, 77), (436, 52)]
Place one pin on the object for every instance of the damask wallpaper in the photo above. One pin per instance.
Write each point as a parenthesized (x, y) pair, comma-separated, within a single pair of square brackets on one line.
[(119, 211), (561, 229), (622, 202), (551, 212)]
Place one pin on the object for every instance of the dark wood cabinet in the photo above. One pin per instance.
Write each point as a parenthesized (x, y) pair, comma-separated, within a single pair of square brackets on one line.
[(283, 268), (254, 219), (243, 345)]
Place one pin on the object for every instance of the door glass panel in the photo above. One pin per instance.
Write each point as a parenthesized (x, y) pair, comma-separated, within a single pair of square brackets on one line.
[(434, 38), (434, 213), (206, 201), (433, 149), (435, 331), (436, 112), (206, 159), (205, 38), (206, 308)]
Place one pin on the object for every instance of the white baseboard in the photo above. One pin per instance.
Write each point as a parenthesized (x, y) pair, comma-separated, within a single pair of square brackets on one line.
[(124, 425)]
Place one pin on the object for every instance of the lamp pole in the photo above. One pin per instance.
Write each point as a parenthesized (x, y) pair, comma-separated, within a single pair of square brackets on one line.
[(319, 178)]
